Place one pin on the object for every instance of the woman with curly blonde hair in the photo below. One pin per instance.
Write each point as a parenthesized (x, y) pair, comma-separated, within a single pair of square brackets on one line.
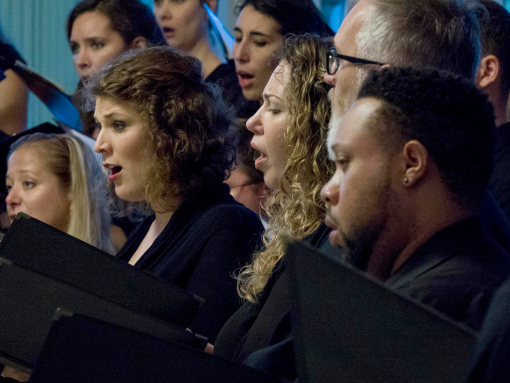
[(166, 138), (295, 209), (290, 132)]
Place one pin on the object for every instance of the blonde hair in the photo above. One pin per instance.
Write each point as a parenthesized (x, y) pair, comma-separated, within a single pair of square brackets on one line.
[(296, 208), (79, 171)]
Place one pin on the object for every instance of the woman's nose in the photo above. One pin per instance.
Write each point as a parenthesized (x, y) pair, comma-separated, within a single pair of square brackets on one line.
[(13, 197), (254, 124)]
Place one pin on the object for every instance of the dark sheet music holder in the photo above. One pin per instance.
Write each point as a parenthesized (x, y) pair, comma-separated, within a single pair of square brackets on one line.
[(83, 350), (350, 328), (37, 246), (28, 301)]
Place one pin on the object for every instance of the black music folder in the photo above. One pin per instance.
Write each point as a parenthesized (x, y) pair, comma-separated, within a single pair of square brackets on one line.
[(28, 301), (350, 328), (34, 245), (84, 350)]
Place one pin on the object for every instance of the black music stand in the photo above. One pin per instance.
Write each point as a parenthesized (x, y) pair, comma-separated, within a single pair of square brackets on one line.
[(34, 245), (28, 301), (83, 350), (349, 328)]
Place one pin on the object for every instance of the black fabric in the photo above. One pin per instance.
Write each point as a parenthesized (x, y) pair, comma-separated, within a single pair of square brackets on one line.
[(267, 323), (491, 356), (226, 78), (495, 221), (456, 272), (206, 240), (500, 182), (253, 325)]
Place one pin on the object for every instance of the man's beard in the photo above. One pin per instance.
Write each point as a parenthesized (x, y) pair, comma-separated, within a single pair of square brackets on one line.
[(359, 247), (364, 233)]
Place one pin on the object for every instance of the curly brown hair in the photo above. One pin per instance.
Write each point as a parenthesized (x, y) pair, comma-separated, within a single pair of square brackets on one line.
[(192, 141), (297, 210)]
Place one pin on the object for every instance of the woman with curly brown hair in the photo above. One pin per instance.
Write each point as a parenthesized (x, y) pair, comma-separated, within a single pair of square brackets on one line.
[(166, 139), (290, 133)]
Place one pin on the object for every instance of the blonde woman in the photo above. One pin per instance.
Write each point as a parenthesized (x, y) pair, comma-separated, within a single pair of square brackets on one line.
[(58, 180), (290, 133)]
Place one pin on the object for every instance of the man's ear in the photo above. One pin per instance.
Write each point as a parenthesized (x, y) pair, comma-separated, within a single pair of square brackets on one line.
[(416, 158), (488, 71), (139, 42), (213, 4)]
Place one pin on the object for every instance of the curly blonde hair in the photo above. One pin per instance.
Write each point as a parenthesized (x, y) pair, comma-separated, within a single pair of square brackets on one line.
[(297, 210)]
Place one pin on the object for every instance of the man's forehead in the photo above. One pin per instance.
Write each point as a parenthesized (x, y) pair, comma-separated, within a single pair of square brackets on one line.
[(351, 24), (357, 120)]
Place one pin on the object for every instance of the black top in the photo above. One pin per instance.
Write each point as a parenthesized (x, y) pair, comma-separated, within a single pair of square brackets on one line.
[(205, 241), (257, 326), (500, 182), (456, 271), (491, 356), (225, 77)]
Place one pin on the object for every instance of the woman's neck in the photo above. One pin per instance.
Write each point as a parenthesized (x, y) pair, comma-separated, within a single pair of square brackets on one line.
[(161, 221), (156, 228), (203, 51)]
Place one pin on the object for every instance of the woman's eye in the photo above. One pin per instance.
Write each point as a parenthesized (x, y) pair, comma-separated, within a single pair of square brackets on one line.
[(274, 111), (74, 48), (260, 43), (28, 184), (119, 126), (341, 163), (8, 188), (98, 45)]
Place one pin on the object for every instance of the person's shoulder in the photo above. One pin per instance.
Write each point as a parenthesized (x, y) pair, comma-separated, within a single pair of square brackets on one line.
[(232, 213), (222, 74)]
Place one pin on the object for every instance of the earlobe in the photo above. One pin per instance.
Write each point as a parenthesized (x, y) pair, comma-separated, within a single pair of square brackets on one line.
[(488, 71), (139, 42), (416, 158)]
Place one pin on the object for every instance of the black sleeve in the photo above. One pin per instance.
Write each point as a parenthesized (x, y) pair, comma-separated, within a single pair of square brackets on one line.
[(230, 247)]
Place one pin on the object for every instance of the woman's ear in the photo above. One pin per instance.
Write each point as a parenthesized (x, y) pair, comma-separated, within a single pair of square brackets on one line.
[(139, 42)]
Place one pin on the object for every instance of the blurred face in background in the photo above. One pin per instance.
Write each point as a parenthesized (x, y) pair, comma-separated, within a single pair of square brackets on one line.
[(257, 38), (183, 22), (93, 43)]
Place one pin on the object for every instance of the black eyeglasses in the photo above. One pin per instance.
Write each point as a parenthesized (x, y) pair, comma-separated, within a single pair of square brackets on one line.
[(333, 61)]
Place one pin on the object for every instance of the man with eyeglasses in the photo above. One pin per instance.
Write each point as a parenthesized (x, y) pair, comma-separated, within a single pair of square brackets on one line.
[(442, 34), (430, 33)]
